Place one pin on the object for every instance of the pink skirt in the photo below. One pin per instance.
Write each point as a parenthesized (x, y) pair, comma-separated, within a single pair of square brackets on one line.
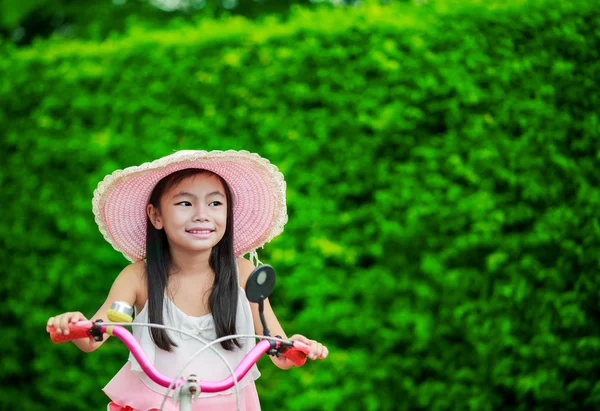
[(128, 393)]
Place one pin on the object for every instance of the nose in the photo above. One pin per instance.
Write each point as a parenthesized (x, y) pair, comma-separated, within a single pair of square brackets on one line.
[(201, 213)]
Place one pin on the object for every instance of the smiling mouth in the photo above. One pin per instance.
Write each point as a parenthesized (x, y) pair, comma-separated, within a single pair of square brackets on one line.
[(200, 233)]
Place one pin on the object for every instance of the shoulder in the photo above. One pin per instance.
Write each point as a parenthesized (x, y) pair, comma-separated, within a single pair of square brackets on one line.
[(245, 268), (133, 277), (135, 272)]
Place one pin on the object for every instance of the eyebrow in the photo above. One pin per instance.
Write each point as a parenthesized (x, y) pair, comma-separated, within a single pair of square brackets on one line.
[(215, 193), (188, 194)]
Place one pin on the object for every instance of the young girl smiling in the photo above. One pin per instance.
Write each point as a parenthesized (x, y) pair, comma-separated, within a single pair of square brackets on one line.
[(185, 221)]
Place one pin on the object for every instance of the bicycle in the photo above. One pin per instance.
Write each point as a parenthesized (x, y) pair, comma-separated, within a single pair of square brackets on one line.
[(258, 288)]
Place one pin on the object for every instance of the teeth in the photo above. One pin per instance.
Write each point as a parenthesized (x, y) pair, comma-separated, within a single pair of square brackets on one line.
[(200, 232)]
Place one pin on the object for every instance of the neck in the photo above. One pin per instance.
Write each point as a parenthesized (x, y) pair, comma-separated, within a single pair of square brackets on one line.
[(196, 262)]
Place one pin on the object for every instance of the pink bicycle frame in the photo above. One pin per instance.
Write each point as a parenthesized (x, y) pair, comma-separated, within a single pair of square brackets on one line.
[(240, 371)]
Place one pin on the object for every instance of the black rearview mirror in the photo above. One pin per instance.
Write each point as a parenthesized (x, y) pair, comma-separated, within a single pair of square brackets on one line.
[(260, 283)]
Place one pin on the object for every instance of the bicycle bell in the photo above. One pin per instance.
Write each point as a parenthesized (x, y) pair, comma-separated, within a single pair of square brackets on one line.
[(120, 312)]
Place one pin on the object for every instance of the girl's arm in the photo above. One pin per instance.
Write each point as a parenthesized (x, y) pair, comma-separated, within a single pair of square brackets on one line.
[(317, 349), (126, 288)]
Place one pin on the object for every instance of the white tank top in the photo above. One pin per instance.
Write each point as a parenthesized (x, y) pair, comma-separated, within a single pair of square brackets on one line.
[(208, 366)]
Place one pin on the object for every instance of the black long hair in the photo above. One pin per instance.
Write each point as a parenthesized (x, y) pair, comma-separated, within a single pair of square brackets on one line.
[(224, 294)]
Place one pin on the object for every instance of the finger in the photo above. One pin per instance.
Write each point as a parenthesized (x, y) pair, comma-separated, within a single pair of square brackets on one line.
[(64, 322), (318, 350), (49, 324), (77, 317), (71, 319), (301, 338), (56, 325), (313, 350)]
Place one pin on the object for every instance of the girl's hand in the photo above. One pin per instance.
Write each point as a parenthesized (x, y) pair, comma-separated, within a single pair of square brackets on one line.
[(60, 323), (317, 350)]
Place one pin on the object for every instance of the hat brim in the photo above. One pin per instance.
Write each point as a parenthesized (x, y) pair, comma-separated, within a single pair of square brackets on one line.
[(257, 187)]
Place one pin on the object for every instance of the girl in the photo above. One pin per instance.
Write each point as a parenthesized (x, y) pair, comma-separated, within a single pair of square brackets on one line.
[(184, 221)]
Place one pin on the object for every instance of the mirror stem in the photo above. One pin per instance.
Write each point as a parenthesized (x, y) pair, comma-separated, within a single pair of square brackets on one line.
[(266, 331)]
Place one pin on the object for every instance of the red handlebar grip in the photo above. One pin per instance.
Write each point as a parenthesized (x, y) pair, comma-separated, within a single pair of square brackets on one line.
[(296, 356), (75, 332)]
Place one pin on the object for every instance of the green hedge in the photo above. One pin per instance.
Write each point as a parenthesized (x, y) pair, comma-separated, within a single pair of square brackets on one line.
[(443, 195)]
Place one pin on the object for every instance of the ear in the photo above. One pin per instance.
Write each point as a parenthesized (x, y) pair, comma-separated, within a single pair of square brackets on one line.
[(154, 216)]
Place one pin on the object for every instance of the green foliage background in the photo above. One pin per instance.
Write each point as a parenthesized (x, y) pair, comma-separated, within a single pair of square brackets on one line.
[(442, 170)]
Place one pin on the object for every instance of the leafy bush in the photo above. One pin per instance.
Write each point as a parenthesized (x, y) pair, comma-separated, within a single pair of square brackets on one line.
[(442, 190)]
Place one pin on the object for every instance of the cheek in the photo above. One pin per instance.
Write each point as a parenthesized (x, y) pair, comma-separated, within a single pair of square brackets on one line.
[(178, 216), (222, 218)]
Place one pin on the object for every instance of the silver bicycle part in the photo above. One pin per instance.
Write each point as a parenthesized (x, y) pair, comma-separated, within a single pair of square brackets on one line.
[(210, 345), (186, 393), (206, 343)]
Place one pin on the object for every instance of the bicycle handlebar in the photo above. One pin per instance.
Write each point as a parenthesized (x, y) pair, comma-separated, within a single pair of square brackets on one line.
[(294, 351)]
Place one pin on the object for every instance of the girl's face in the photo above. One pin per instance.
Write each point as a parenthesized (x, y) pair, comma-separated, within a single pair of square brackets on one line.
[(193, 213)]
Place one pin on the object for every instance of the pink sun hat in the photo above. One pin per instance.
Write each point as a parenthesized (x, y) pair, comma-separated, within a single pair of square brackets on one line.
[(257, 188)]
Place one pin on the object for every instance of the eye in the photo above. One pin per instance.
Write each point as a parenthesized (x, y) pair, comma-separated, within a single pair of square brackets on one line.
[(215, 203), (184, 203)]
